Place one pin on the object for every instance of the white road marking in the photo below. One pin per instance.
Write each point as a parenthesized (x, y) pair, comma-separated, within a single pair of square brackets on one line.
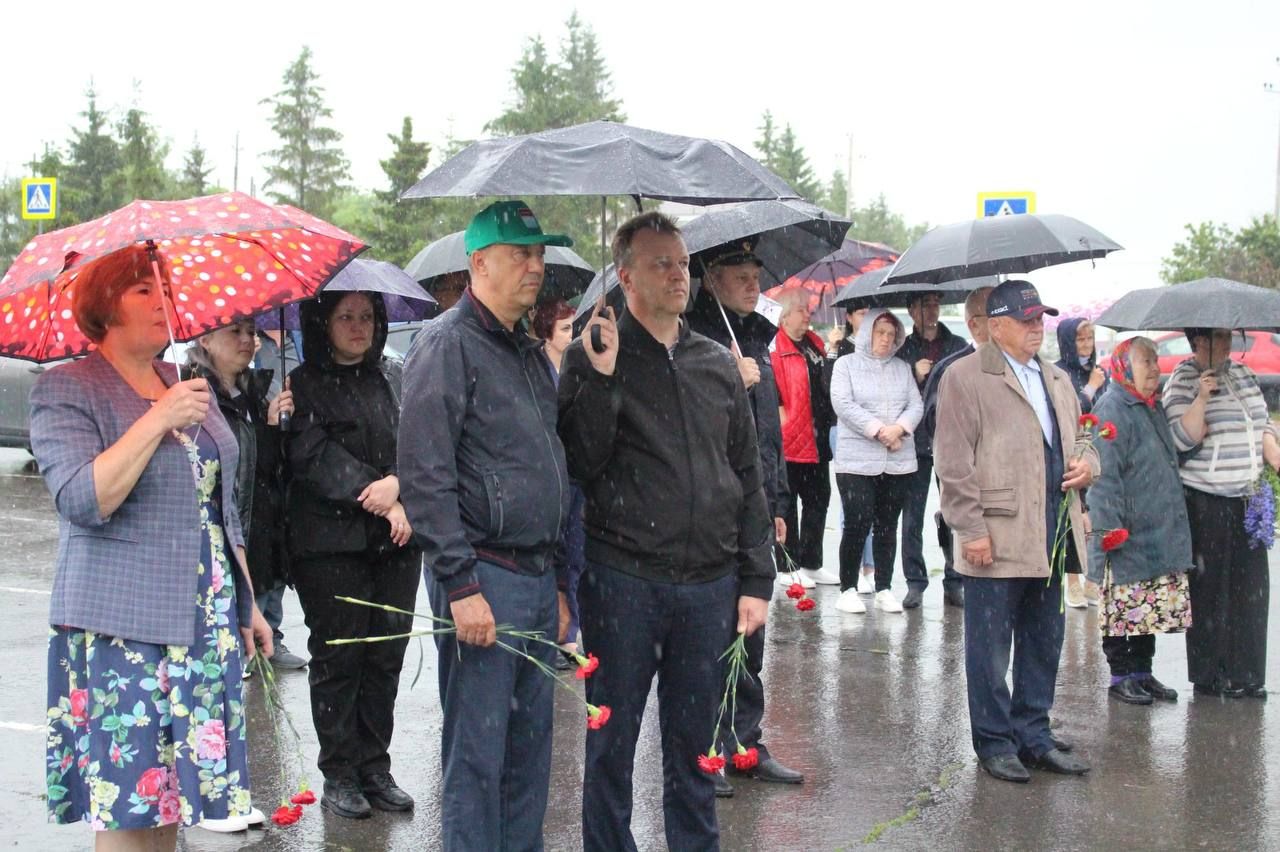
[(20, 726), (25, 591)]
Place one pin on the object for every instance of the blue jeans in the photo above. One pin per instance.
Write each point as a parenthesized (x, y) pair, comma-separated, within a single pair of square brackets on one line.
[(272, 606), (496, 735), (639, 628), (1028, 613)]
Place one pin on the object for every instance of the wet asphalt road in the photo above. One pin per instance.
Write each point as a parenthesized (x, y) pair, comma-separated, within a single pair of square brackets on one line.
[(872, 709)]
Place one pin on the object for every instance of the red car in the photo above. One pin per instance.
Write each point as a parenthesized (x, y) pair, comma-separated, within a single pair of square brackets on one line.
[(1257, 350)]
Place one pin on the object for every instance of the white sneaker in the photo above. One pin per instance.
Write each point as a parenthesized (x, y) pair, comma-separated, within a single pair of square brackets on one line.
[(786, 578), (850, 602), (886, 602), (255, 817), (225, 826), (866, 584), (821, 576)]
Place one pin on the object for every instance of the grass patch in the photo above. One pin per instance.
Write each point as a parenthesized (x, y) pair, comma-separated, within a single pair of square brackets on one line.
[(922, 800)]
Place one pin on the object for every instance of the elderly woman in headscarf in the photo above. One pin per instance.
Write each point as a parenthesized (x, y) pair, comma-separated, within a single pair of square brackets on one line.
[(1225, 438), (1143, 575)]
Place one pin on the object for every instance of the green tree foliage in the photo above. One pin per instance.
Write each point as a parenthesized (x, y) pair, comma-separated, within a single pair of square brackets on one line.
[(400, 228), (195, 171), (783, 155), (836, 193), (91, 185), (572, 89), (876, 223), (308, 169), (1251, 254), (142, 155)]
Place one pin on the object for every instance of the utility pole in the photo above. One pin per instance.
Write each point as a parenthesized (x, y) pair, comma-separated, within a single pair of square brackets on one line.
[(1275, 90), (848, 183), (235, 169)]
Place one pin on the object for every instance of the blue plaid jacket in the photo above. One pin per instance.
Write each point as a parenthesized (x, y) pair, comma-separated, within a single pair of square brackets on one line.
[(133, 574)]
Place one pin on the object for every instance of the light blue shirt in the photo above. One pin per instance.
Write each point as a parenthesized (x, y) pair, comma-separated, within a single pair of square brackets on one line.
[(1033, 385)]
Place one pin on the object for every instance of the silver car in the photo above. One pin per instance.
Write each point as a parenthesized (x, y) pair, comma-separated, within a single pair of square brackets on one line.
[(16, 379)]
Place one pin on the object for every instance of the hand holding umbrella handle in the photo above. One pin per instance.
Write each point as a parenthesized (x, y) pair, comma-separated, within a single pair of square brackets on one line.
[(597, 340)]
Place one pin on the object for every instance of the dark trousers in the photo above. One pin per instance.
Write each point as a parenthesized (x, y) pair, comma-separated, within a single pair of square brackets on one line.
[(640, 628), (810, 484), (872, 505), (353, 687), (1028, 612), (913, 565), (1129, 655), (496, 734), (1230, 592)]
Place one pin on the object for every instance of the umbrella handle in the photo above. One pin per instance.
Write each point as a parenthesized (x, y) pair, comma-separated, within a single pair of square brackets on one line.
[(154, 256), (284, 417)]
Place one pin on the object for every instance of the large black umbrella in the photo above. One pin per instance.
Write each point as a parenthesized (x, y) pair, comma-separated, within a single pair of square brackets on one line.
[(1204, 303), (567, 274), (1007, 245), (869, 290), (603, 158)]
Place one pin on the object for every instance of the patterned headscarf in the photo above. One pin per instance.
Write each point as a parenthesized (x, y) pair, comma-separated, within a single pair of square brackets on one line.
[(1122, 371)]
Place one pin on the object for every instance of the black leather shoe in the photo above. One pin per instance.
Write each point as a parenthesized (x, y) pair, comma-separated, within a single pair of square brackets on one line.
[(1130, 692), (1218, 692), (1158, 690), (344, 798), (1255, 692), (384, 794), (953, 596), (772, 771), (1006, 767), (724, 790), (913, 598), (1055, 761), (1061, 745)]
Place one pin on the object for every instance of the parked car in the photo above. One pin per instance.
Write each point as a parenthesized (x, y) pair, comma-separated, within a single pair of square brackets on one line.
[(16, 379), (1257, 350)]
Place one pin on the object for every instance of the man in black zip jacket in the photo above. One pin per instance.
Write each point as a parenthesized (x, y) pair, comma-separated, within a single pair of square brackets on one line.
[(731, 281), (483, 481), (657, 427)]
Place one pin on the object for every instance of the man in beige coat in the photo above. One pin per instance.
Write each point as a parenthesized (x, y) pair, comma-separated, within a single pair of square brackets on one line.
[(1006, 458)]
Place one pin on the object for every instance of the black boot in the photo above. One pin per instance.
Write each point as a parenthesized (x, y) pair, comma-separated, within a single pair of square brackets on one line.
[(344, 798), (1130, 691), (384, 794)]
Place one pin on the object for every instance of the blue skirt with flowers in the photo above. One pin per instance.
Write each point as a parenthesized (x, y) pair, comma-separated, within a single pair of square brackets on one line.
[(143, 735)]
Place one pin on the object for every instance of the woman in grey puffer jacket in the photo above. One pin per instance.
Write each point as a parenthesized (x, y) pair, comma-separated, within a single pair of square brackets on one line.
[(878, 405)]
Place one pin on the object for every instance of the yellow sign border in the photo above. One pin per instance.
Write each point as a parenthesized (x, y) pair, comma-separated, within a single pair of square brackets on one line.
[(983, 197), (52, 183)]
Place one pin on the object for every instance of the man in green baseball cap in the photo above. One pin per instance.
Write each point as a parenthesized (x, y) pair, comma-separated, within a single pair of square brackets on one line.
[(506, 248)]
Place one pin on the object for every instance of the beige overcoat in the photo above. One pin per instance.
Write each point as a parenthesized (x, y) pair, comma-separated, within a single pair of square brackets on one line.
[(989, 457)]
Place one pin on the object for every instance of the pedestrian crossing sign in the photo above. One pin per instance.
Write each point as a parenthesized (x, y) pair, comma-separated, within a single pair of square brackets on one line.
[(1005, 203), (39, 198)]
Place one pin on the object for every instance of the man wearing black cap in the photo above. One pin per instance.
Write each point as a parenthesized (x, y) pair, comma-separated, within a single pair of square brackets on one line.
[(483, 481), (1006, 458), (725, 311)]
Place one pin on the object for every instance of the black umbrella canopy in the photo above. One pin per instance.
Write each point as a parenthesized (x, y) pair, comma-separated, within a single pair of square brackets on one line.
[(1203, 303), (869, 290), (999, 245), (567, 274), (603, 158), (791, 235)]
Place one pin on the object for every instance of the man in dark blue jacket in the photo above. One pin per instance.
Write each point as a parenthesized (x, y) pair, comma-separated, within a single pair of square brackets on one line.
[(483, 481), (657, 427)]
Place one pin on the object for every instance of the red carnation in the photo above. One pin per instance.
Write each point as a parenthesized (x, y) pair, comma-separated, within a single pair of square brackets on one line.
[(745, 759), (285, 815), (1088, 421), (586, 665), (597, 716), (1108, 431), (805, 604), (710, 763), (1114, 538), (306, 797), (795, 591)]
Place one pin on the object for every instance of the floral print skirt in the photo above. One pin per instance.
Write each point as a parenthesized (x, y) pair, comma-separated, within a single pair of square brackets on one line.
[(1159, 605), (143, 735)]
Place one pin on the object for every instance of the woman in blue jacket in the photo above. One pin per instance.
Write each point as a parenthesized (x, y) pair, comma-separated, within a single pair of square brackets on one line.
[(1143, 580), (151, 597), (1078, 357)]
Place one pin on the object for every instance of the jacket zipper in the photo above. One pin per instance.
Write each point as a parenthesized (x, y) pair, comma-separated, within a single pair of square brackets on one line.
[(551, 450), (688, 452)]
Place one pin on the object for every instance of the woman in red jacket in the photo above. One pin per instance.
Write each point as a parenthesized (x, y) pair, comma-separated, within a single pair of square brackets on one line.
[(798, 365)]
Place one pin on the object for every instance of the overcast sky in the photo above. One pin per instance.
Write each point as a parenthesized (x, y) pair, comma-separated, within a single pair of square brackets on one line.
[(1136, 117)]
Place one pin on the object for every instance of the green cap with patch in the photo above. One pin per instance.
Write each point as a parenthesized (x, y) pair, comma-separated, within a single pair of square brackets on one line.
[(510, 223)]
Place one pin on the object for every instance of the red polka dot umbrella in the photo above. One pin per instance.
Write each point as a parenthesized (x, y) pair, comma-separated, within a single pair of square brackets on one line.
[(228, 256)]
